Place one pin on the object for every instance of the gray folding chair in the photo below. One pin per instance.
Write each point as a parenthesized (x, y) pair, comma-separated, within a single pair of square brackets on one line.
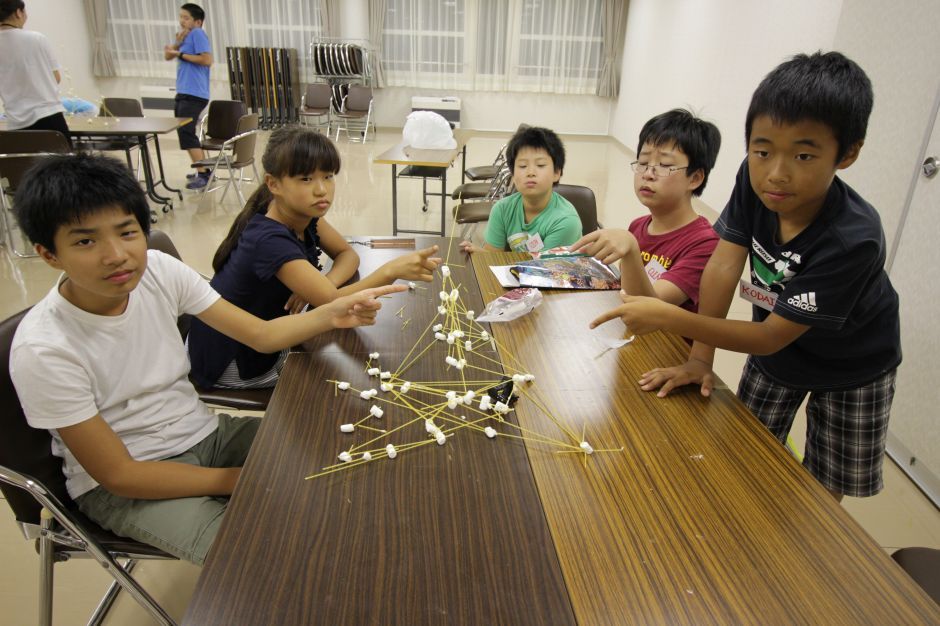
[(33, 484), (315, 106), (356, 113), (235, 155)]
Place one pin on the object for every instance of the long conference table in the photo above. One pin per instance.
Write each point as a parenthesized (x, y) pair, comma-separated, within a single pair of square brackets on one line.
[(701, 518)]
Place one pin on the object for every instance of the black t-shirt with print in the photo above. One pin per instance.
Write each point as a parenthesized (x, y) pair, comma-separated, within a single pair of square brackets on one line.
[(830, 277)]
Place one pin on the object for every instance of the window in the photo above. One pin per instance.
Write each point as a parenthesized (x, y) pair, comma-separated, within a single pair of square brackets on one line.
[(522, 45), (139, 30)]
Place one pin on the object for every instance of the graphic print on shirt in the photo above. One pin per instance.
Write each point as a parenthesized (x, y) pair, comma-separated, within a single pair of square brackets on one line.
[(772, 273)]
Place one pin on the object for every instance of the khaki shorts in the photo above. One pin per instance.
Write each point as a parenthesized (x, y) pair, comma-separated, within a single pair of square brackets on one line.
[(183, 527)]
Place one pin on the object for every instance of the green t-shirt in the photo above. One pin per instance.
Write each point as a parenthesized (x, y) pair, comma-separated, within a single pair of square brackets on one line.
[(558, 224)]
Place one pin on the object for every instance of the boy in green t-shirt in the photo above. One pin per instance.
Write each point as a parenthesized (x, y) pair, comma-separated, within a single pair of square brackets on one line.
[(534, 218)]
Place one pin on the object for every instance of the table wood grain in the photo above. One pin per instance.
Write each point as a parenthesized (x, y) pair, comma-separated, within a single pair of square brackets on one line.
[(451, 534), (704, 517)]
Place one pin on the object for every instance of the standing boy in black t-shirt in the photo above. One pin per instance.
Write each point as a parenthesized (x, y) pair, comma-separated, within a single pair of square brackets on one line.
[(825, 316)]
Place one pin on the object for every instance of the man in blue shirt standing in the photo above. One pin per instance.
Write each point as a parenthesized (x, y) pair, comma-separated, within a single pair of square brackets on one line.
[(192, 82)]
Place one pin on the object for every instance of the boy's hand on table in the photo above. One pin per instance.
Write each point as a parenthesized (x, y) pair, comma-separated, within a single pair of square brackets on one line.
[(358, 309), (419, 265), (468, 247), (606, 245), (668, 378), (639, 313)]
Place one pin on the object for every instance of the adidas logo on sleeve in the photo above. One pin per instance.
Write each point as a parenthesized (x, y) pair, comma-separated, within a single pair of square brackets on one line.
[(804, 301)]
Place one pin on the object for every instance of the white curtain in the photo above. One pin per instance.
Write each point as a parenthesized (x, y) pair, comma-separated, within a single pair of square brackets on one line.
[(96, 14), (547, 46), (376, 38), (615, 30), (138, 30)]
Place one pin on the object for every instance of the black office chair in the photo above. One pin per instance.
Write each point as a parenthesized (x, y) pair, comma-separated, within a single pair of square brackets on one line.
[(238, 399), (923, 566), (584, 203), (33, 484)]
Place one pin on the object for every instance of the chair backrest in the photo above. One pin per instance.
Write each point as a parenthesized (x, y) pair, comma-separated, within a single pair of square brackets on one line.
[(318, 96), (584, 203), (26, 141), (358, 99), (222, 120), (121, 107), (24, 449), (245, 147)]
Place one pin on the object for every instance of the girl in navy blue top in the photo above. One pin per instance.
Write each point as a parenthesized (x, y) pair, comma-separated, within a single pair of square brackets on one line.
[(269, 263)]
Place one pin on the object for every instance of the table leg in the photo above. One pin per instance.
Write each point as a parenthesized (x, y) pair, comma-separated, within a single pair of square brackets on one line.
[(148, 176), (443, 199), (394, 200), (162, 181)]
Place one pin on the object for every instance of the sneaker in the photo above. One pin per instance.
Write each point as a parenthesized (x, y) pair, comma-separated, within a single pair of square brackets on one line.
[(192, 176), (200, 181)]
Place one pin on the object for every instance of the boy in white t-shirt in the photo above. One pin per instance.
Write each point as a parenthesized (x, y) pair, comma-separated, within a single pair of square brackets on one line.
[(100, 363)]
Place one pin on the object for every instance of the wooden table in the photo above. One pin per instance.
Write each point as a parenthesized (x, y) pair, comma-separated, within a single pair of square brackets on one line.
[(424, 164), (702, 518), (139, 128)]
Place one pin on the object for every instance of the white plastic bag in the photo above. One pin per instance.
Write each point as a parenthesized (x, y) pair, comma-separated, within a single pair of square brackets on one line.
[(511, 305), (427, 130)]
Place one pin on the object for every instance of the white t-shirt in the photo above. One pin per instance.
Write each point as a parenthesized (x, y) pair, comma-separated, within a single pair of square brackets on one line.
[(69, 365), (27, 85)]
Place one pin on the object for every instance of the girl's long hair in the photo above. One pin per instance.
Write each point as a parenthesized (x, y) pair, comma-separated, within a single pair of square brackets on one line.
[(291, 151)]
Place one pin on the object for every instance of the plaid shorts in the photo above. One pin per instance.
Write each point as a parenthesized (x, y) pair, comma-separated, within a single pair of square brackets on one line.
[(846, 431)]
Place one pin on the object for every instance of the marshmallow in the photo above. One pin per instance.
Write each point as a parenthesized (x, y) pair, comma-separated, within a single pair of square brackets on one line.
[(441, 310), (450, 395), (485, 403), (454, 294), (440, 336), (501, 407), (347, 428), (405, 386), (437, 328), (391, 451), (450, 361), (441, 438), (373, 371), (484, 335), (412, 286), (373, 393), (490, 432), (445, 271), (386, 386), (468, 397), (463, 417), (468, 345), (529, 378), (459, 399), (385, 375), (443, 296), (450, 340), (373, 355), (343, 385), (518, 378), (376, 411), (430, 426), (461, 363), (470, 314), (587, 447), (345, 457), (365, 395), (366, 456), (452, 404), (458, 334)]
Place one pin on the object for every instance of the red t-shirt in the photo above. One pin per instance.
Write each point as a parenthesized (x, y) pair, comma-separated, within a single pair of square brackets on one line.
[(678, 256)]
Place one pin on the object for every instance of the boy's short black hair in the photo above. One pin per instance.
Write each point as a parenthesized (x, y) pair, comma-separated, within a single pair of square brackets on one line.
[(698, 139), (195, 10), (61, 190), (9, 7), (537, 138), (824, 87)]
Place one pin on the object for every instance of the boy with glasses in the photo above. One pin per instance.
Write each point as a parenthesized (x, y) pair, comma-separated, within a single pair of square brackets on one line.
[(662, 254), (825, 316)]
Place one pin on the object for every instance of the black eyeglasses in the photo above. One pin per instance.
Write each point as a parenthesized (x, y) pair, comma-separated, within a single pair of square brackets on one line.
[(659, 171)]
